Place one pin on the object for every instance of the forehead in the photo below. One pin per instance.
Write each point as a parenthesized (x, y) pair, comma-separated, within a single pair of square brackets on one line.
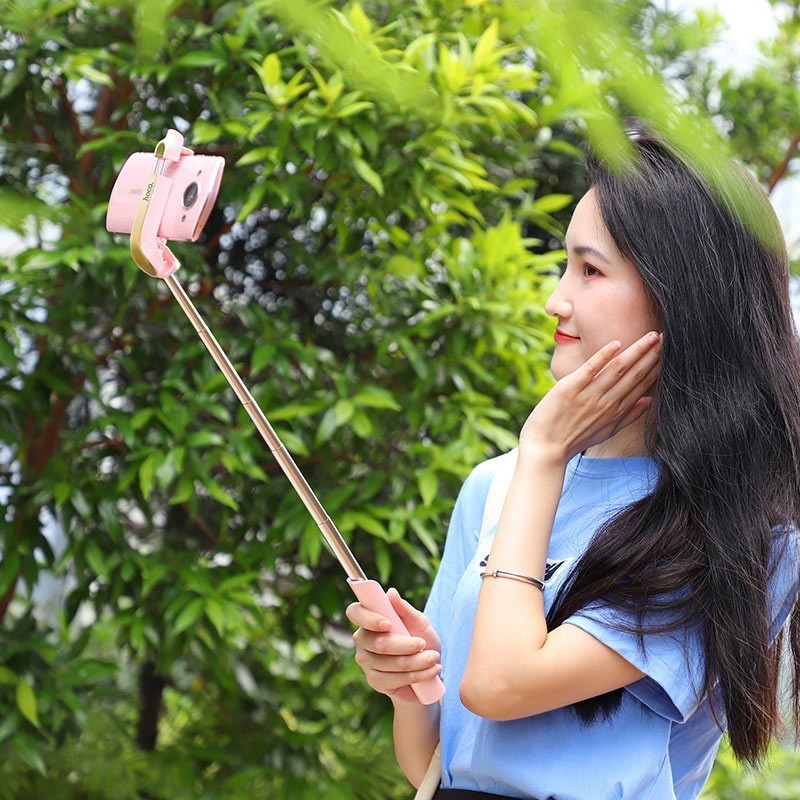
[(586, 228)]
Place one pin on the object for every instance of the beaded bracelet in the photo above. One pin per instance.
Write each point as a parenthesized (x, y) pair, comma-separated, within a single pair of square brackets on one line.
[(500, 573)]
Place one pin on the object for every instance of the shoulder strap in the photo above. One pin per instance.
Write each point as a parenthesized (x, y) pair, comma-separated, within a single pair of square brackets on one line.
[(498, 489)]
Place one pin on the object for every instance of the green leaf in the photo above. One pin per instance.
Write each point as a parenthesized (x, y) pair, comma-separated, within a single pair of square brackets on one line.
[(419, 365), (369, 523), (486, 44), (215, 613), (80, 504), (353, 108), (425, 537), (368, 174), (327, 426), (258, 156), (10, 568), (155, 572), (26, 702), (127, 571), (383, 561), (184, 490), (362, 425), (294, 410), (428, 483), (203, 132), (28, 752), (142, 417), (88, 671), (220, 495), (503, 438), (7, 357), (136, 635), (271, 70), (344, 410), (360, 21), (167, 471), (61, 492), (233, 43), (551, 203), (204, 439), (310, 544), (8, 726), (95, 75), (96, 560), (292, 442), (197, 58), (404, 267), (254, 200), (146, 472), (376, 397), (217, 410), (7, 676), (189, 616)]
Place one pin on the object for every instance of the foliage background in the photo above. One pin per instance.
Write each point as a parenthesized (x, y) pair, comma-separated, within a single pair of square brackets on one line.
[(398, 179)]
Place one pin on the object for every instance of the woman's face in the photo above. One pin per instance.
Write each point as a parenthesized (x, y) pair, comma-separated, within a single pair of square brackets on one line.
[(601, 295)]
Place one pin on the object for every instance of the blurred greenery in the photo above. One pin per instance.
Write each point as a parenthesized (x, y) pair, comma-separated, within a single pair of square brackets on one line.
[(398, 179)]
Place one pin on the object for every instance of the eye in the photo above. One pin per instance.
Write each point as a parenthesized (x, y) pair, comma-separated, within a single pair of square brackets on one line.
[(587, 267)]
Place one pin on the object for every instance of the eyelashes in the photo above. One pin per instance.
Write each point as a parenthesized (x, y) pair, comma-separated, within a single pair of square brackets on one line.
[(588, 267), (589, 270)]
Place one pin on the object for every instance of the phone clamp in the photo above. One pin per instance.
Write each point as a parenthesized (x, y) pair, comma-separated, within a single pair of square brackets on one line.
[(148, 249)]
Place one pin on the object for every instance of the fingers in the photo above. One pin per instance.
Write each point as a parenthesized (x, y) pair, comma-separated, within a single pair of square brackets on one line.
[(628, 369), (392, 644), (389, 682), (584, 375), (391, 662), (397, 664), (637, 389), (635, 402), (369, 620)]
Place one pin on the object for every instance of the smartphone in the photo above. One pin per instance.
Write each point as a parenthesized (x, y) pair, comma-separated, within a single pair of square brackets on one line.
[(193, 192)]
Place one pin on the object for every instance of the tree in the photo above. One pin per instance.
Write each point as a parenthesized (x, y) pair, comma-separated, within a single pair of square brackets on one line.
[(387, 231)]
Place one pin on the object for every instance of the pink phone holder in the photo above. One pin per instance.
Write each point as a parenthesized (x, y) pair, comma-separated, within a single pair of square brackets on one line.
[(164, 196)]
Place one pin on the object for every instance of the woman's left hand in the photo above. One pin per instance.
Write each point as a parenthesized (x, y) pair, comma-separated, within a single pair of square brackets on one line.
[(591, 404)]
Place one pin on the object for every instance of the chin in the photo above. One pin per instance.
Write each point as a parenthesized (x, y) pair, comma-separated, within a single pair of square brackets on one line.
[(559, 370)]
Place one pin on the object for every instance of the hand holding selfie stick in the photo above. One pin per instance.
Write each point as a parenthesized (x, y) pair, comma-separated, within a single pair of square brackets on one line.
[(163, 206)]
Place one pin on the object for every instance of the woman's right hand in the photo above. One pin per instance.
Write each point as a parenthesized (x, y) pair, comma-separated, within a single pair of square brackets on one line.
[(392, 662)]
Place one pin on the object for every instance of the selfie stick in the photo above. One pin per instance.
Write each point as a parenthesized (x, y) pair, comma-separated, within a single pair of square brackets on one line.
[(153, 257)]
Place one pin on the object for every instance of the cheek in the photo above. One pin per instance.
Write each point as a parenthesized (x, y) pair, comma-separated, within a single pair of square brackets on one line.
[(625, 316)]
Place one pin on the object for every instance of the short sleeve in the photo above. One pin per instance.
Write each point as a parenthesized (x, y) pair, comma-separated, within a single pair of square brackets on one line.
[(460, 543), (784, 579), (673, 662)]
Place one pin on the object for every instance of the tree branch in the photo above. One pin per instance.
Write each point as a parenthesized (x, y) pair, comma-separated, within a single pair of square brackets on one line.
[(780, 169)]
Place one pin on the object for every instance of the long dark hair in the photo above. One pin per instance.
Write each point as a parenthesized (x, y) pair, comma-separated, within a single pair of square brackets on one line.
[(726, 426)]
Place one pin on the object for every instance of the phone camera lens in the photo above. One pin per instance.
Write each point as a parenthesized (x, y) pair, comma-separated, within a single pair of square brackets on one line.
[(190, 194)]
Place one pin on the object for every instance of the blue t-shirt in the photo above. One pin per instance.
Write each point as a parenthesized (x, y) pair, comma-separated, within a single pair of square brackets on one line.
[(660, 745)]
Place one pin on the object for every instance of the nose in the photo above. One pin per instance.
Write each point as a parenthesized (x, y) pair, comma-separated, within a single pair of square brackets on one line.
[(558, 304)]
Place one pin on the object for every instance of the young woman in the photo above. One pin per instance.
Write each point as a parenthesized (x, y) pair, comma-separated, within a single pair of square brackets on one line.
[(656, 494)]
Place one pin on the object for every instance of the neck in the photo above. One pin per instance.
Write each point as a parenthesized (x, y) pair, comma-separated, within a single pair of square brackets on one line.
[(623, 444)]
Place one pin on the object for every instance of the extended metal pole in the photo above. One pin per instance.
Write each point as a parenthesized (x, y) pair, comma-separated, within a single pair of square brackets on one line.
[(282, 455)]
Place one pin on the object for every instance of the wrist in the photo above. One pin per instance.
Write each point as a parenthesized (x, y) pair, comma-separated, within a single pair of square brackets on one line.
[(540, 454)]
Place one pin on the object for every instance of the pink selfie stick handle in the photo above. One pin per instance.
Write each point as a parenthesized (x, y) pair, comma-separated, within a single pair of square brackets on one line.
[(371, 595)]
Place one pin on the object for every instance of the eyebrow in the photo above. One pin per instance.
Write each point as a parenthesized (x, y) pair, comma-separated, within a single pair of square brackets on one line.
[(585, 250)]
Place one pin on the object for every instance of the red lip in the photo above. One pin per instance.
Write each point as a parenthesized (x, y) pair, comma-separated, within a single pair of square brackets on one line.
[(560, 336)]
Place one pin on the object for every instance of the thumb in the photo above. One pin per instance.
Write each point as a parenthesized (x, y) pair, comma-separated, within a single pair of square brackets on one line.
[(402, 607)]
